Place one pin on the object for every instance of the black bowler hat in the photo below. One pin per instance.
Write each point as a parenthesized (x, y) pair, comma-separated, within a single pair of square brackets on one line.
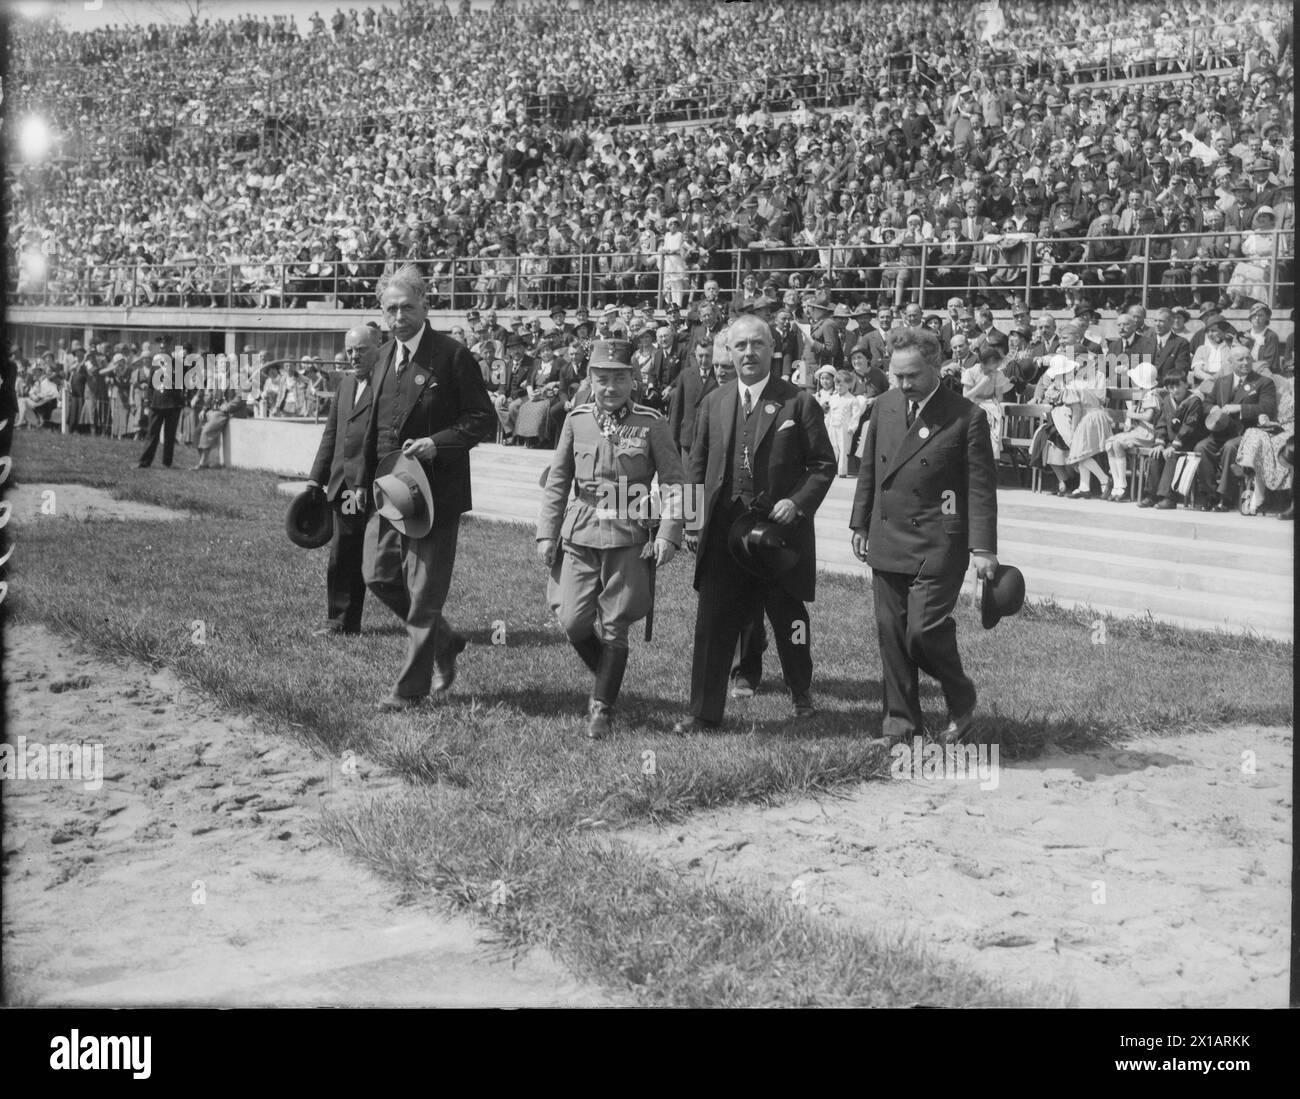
[(310, 523), (759, 546), (1004, 595)]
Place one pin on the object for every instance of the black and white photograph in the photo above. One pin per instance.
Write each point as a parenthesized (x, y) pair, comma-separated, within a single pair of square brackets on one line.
[(675, 504)]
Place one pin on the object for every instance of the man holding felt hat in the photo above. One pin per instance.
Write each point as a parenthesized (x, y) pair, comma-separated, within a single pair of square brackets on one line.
[(760, 446), (338, 472), (925, 506), (594, 530), (429, 407)]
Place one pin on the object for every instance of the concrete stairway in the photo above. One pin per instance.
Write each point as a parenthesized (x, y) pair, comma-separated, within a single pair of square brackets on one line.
[(1193, 569)]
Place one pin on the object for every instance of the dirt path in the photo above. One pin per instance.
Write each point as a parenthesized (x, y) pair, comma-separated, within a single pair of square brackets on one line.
[(1156, 875), (192, 875)]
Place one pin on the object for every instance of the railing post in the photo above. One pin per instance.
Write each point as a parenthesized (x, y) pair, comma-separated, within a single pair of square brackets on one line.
[(920, 284), (1273, 268), (1146, 269)]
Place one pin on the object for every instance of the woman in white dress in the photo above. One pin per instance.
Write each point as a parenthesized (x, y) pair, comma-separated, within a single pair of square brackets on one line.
[(987, 385), (674, 253), (1086, 396), (1250, 278)]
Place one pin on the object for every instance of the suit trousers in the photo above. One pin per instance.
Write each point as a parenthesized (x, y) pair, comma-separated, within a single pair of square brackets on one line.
[(917, 631), (345, 586), (729, 601), (1211, 452), (161, 421), (411, 576)]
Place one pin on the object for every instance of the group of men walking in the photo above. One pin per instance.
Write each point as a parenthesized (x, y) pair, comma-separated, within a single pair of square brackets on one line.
[(747, 489)]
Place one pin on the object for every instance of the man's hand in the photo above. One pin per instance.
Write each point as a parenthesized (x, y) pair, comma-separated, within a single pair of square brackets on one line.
[(860, 544), (1231, 409), (314, 484), (546, 551), (421, 449), (691, 542), (985, 565), (784, 512), (661, 552)]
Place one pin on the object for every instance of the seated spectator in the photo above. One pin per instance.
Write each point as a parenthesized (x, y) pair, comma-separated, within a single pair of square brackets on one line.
[(1249, 282), (42, 395), (1262, 448), (987, 386), (1139, 431), (1237, 400)]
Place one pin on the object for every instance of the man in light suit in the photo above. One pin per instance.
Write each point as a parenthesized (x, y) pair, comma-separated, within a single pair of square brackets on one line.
[(758, 438), (430, 403), (925, 505), (338, 470)]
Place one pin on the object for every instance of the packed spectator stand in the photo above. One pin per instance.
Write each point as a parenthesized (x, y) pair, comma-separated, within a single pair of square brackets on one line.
[(635, 159)]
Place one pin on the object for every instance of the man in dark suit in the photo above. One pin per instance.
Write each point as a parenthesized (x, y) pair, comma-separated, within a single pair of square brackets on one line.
[(430, 403), (694, 383), (925, 505), (1136, 348), (759, 438), (167, 398), (338, 470), (1171, 354)]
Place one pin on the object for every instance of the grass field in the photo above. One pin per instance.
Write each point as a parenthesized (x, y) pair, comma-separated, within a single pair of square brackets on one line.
[(508, 808)]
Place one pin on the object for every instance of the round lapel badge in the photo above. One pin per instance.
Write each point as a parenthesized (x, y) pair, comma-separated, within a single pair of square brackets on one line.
[(419, 379), (924, 433), (769, 409)]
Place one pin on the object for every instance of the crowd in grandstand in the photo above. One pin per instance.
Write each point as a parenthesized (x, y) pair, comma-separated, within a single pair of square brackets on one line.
[(831, 148), (669, 165)]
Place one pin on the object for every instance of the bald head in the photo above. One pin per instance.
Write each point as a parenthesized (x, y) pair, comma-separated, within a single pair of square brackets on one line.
[(360, 345)]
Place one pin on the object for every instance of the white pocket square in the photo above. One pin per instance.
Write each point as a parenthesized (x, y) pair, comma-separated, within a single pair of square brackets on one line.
[(788, 423)]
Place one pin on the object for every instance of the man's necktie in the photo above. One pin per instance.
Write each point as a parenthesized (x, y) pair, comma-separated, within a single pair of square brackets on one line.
[(406, 360), (911, 413), (748, 404)]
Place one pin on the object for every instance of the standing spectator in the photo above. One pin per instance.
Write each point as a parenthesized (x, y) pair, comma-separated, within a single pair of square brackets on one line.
[(166, 399)]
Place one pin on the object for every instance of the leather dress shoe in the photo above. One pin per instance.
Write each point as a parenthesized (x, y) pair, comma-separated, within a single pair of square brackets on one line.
[(689, 725), (741, 688), (397, 703), (957, 730), (444, 666), (1219, 507), (1147, 502), (1167, 505), (803, 705), (599, 720)]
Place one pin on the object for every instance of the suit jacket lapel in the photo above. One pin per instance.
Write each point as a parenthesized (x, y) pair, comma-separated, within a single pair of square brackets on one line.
[(727, 410), (359, 407), (932, 417), (765, 418), (421, 366)]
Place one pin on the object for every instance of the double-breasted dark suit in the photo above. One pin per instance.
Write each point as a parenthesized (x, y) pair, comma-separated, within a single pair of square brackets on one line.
[(340, 469), (790, 458), (926, 498), (440, 395)]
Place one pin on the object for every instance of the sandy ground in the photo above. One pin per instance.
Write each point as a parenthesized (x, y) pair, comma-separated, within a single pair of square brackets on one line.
[(1156, 875), (44, 501), (192, 875)]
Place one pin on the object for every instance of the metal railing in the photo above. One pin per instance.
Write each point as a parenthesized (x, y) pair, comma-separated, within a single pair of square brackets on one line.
[(1151, 269)]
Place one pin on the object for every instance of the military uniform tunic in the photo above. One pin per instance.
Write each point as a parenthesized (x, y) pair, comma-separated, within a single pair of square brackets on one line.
[(597, 487)]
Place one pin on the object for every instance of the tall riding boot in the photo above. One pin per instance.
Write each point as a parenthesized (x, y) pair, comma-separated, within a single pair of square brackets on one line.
[(609, 678), (589, 648)]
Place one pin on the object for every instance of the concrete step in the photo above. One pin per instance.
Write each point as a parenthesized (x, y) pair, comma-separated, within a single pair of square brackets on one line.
[(1187, 568)]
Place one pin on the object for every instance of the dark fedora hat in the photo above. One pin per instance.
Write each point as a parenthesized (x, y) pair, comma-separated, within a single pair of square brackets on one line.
[(759, 546), (402, 494), (1004, 595), (310, 522)]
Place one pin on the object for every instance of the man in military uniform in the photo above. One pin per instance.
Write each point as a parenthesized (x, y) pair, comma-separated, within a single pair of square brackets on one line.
[(601, 578)]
